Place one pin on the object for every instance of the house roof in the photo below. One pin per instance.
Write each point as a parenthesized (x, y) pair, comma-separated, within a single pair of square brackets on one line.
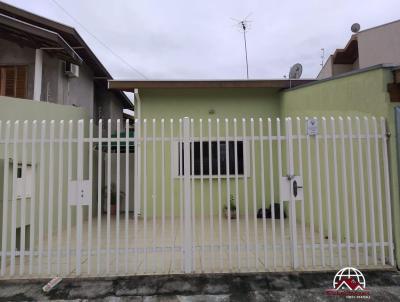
[(66, 35), (33, 36), (128, 85)]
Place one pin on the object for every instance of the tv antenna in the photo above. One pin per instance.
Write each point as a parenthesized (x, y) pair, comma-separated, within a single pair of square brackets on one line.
[(244, 26), (322, 56)]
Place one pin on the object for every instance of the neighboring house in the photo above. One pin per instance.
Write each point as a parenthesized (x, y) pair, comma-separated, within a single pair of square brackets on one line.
[(47, 61), (372, 46)]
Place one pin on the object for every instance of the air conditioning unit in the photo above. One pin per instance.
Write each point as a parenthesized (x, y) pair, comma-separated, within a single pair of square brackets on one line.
[(71, 70)]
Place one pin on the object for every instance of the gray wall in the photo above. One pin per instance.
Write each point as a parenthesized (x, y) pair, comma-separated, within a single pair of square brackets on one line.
[(107, 104)]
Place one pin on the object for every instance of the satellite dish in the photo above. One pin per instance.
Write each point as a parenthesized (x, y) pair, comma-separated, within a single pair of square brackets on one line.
[(355, 28), (295, 71)]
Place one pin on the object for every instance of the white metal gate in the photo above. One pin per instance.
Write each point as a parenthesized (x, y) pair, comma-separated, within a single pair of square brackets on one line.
[(208, 195)]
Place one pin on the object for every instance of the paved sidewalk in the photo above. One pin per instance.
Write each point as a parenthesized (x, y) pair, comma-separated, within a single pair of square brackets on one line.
[(310, 286)]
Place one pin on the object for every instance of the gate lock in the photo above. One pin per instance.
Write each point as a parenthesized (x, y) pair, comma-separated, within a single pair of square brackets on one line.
[(295, 187), (290, 187)]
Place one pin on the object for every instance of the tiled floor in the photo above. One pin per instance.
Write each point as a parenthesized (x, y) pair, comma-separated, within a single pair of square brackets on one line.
[(155, 247)]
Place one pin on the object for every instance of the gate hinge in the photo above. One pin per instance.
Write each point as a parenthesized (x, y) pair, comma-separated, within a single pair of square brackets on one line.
[(388, 134)]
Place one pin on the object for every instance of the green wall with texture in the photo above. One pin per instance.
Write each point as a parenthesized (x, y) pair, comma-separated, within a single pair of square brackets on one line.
[(239, 103), (360, 94)]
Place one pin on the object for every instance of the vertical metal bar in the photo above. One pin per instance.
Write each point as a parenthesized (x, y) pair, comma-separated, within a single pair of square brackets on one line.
[(23, 200), (163, 241), (172, 193), (303, 222), (319, 192), (33, 198), (387, 190), (79, 209), (193, 202), (99, 194), (245, 193), (219, 196), (136, 177), (144, 193), (310, 197), (201, 194), (118, 189), (272, 194), (108, 195), (50, 199), (344, 188), (5, 199), (187, 208), (41, 194), (370, 191), (353, 191), (362, 192), (14, 196), (379, 190), (181, 192), (327, 190), (336, 190), (90, 207), (292, 205), (69, 176), (211, 202), (254, 183), (228, 192), (60, 193), (127, 153), (262, 179), (238, 239), (154, 194), (282, 223)]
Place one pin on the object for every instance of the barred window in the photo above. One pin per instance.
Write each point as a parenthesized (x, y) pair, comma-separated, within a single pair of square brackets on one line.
[(214, 159)]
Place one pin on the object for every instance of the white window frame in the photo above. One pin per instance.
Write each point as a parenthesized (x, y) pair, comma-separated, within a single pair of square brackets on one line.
[(246, 161)]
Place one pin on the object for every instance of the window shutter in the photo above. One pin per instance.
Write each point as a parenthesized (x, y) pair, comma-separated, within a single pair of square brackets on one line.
[(10, 75), (21, 82), (13, 81)]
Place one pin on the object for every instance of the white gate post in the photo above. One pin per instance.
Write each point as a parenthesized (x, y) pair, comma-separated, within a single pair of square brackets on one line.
[(292, 201), (79, 205), (187, 207)]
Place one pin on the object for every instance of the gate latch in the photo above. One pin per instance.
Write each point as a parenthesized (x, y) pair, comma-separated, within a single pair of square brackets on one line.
[(291, 184)]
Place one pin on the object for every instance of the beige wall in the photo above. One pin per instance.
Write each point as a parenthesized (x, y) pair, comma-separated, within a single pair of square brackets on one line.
[(326, 71), (379, 45)]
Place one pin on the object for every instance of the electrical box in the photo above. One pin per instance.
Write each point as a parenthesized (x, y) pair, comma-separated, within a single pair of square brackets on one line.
[(80, 192)]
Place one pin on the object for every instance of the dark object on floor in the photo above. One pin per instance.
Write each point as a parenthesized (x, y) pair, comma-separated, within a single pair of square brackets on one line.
[(268, 212)]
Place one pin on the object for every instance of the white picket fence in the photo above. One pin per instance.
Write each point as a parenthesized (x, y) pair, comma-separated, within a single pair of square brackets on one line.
[(208, 196)]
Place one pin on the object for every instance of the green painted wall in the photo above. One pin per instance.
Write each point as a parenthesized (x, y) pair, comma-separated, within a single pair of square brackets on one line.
[(198, 103), (362, 94)]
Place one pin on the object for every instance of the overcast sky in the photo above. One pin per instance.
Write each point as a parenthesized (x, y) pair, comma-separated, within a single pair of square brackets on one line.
[(198, 39)]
